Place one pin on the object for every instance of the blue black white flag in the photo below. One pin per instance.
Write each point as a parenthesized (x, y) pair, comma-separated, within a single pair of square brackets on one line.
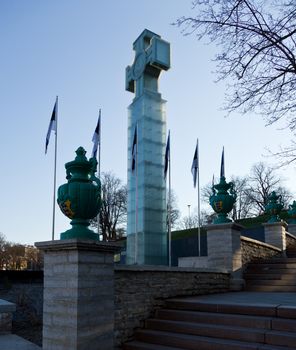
[(194, 166), (52, 124), (134, 150), (222, 171), (167, 156), (96, 137)]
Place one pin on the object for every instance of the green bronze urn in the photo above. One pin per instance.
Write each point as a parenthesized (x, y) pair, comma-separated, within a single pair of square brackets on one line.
[(221, 201), (80, 198), (292, 213), (274, 207)]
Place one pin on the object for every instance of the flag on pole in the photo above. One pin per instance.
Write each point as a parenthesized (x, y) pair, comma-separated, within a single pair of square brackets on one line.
[(213, 180), (167, 157), (194, 166), (96, 137), (52, 124), (134, 150), (222, 171)]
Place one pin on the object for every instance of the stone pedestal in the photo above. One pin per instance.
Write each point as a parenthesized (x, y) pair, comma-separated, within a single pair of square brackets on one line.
[(224, 247), (275, 234), (78, 307)]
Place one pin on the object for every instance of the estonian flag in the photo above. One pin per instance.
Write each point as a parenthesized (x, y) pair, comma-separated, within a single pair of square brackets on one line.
[(194, 166), (167, 157), (222, 171), (52, 124), (134, 150), (96, 137)]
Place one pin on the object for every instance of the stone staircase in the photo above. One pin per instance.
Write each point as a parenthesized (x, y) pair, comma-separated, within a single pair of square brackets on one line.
[(263, 317), (273, 275), (199, 324)]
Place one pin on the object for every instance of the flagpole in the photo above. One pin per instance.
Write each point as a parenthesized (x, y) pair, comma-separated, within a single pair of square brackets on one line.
[(198, 196), (99, 167), (170, 209), (55, 172), (136, 199)]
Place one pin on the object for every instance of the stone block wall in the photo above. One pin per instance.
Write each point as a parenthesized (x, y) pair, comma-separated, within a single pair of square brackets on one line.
[(25, 289), (139, 291), (6, 310), (253, 250), (290, 240), (5, 322)]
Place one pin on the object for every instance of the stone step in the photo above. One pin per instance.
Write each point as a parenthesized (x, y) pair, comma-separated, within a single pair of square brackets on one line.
[(194, 342), (270, 337), (218, 318), (291, 254), (265, 288), (269, 276), (137, 345), (257, 322), (281, 338), (208, 330), (282, 324), (274, 265), (14, 342), (271, 271), (254, 309), (272, 282), (276, 261)]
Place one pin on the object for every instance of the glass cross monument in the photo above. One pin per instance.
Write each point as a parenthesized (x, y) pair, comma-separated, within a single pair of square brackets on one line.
[(146, 218)]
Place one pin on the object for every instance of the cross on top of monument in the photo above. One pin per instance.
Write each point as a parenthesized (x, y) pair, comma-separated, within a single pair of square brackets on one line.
[(152, 56)]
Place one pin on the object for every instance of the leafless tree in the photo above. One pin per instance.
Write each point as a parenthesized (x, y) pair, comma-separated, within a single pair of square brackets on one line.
[(188, 221), (257, 41), (114, 207), (262, 181), (175, 212), (285, 155), (243, 205), (16, 256), (2, 250)]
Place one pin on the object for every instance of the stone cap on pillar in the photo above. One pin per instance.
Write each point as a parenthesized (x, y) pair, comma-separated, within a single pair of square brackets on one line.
[(276, 224), (79, 244), (226, 226)]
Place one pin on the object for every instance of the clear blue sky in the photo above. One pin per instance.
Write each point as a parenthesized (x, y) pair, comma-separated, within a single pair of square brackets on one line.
[(79, 50)]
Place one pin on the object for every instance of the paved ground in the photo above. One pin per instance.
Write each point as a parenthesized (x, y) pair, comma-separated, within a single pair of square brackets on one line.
[(274, 299), (14, 342), (34, 334)]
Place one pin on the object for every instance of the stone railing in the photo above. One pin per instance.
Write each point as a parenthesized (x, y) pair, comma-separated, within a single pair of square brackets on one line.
[(253, 250), (139, 291), (290, 240)]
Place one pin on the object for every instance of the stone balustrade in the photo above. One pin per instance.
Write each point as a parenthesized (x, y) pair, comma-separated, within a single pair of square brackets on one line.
[(140, 290)]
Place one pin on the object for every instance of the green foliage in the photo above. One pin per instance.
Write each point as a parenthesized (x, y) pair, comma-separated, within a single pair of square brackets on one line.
[(258, 220), (247, 223), (190, 232)]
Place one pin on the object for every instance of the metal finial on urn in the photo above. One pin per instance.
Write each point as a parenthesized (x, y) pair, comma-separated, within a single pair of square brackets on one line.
[(80, 198), (221, 201), (274, 207)]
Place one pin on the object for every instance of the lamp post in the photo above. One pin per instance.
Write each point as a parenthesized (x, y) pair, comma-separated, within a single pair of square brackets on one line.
[(189, 219)]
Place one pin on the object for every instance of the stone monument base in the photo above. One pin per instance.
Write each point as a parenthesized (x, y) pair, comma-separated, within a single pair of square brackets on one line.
[(78, 306)]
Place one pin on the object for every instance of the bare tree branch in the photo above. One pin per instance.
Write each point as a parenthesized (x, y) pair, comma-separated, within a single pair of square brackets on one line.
[(257, 53)]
